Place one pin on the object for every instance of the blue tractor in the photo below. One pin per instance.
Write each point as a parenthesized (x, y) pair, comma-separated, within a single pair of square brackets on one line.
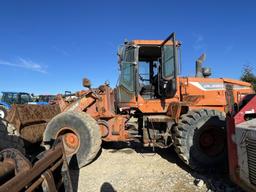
[(7, 99)]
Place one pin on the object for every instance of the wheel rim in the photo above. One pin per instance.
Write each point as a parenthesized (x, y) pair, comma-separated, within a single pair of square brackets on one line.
[(1, 114), (212, 141), (71, 140)]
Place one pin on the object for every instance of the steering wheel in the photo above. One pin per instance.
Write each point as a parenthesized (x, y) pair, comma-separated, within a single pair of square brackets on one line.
[(140, 77)]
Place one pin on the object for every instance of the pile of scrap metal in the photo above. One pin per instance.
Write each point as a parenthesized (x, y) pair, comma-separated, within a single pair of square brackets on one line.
[(48, 172), (29, 121), (24, 164)]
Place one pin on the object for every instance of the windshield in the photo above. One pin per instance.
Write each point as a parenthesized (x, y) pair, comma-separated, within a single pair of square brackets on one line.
[(127, 76), (129, 54)]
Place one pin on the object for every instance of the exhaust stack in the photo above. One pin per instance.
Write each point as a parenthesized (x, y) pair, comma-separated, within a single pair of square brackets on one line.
[(199, 62)]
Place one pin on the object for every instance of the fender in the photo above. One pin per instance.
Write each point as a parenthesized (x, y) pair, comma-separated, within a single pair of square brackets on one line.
[(6, 105)]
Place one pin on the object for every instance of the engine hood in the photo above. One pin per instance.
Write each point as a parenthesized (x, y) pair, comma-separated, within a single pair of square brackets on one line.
[(214, 84)]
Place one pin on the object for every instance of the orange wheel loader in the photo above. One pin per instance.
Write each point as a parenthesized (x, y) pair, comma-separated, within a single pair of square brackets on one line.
[(152, 104)]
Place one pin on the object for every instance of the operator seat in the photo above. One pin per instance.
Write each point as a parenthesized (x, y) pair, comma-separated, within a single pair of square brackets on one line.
[(148, 91)]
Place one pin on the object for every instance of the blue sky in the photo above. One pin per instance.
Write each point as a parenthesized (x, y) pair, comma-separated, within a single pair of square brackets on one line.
[(48, 46)]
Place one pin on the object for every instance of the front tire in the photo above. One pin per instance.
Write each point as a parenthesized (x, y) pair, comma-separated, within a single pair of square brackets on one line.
[(200, 140), (81, 135), (3, 112)]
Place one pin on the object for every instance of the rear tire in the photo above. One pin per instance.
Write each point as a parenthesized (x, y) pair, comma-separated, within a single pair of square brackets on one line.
[(83, 128), (200, 140), (3, 112)]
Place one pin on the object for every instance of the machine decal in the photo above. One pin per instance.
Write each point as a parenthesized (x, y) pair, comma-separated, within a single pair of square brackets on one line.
[(207, 86)]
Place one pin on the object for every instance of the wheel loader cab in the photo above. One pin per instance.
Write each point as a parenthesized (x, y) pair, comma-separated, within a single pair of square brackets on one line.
[(148, 68)]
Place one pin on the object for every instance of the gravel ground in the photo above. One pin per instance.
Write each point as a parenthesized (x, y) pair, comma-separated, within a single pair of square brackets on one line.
[(124, 168), (136, 169)]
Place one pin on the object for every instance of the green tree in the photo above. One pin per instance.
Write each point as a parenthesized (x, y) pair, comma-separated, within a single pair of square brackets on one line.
[(249, 76)]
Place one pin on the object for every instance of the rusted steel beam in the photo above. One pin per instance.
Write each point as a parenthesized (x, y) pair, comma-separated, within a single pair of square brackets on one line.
[(37, 183), (48, 182), (42, 165), (41, 179), (41, 174)]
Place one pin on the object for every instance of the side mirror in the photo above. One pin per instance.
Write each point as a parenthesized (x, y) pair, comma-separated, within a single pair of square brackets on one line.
[(86, 83)]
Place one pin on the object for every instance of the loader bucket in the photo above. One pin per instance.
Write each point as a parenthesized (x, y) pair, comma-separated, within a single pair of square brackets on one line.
[(30, 121)]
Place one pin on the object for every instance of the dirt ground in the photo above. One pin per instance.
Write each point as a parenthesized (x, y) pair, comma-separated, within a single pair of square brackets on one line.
[(137, 169)]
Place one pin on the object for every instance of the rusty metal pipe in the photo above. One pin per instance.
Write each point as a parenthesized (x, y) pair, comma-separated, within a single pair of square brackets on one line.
[(35, 185), (40, 180), (43, 164)]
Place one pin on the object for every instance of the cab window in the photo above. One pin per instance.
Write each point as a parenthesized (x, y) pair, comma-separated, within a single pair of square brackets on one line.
[(24, 98), (168, 62), (127, 69), (129, 55)]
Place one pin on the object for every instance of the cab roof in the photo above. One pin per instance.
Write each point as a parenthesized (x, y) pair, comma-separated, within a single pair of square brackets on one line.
[(13, 92), (151, 42)]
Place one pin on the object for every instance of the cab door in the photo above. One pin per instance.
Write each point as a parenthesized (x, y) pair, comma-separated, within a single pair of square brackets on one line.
[(169, 67), (127, 79)]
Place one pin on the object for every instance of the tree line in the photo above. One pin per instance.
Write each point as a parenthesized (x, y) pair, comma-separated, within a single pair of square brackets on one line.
[(249, 76)]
